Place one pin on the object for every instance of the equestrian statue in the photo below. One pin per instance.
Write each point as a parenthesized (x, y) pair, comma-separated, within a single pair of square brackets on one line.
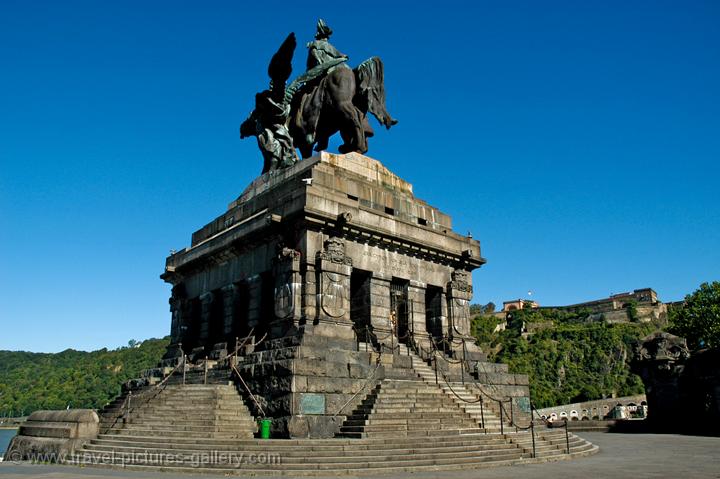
[(328, 98)]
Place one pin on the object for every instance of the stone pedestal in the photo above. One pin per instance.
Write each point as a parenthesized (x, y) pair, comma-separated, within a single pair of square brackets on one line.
[(290, 247)]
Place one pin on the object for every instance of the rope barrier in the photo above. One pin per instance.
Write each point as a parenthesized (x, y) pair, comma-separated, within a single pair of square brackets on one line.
[(456, 394)]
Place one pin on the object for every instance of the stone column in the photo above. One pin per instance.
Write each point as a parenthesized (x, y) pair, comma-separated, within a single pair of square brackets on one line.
[(380, 307), (444, 314), (287, 293), (333, 275), (309, 293), (416, 312), (229, 293), (178, 308), (176, 319), (254, 298), (458, 299), (206, 300)]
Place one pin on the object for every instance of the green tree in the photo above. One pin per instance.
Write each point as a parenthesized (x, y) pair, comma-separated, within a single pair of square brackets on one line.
[(571, 359), (32, 381), (698, 319), (631, 310)]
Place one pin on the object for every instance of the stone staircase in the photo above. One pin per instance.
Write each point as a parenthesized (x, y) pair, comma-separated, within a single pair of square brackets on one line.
[(484, 413), (197, 374), (407, 407), (407, 423), (199, 411), (550, 444), (334, 457)]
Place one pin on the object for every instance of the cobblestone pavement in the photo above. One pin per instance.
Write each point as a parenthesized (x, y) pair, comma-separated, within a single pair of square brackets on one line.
[(621, 456)]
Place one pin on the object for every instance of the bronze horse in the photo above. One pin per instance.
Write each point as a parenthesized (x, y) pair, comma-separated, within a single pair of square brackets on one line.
[(339, 102), (328, 98)]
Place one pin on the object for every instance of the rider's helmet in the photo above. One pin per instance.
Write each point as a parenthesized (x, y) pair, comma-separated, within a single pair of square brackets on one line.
[(323, 31)]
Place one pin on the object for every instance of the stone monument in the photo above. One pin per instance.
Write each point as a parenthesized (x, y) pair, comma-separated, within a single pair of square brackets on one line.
[(320, 255), (326, 301)]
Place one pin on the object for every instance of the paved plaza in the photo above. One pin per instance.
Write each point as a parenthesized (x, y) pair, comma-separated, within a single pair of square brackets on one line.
[(621, 456)]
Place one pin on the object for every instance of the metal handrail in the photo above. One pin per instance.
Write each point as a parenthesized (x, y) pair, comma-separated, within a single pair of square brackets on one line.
[(367, 381), (126, 402), (433, 358), (238, 348), (248, 390)]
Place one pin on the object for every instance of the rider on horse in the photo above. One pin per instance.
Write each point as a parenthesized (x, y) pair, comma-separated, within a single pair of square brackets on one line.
[(320, 51)]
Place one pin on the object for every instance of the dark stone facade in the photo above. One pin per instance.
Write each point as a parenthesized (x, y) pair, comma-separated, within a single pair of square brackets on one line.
[(683, 388), (314, 258)]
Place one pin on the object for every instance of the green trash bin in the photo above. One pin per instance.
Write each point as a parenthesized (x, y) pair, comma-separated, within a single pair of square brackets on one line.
[(265, 428)]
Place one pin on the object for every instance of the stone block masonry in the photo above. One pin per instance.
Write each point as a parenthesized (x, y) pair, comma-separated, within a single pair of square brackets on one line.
[(311, 260)]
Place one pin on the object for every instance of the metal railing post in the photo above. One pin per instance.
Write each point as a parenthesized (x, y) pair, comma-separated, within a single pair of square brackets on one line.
[(206, 371), (462, 365), (127, 406), (532, 432), (482, 414), (184, 367), (502, 429), (567, 436), (436, 370), (512, 414)]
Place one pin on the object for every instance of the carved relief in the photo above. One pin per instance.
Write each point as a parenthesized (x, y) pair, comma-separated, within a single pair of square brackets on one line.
[(461, 281), (286, 262), (664, 349), (333, 295), (285, 254), (284, 297), (461, 316), (335, 252)]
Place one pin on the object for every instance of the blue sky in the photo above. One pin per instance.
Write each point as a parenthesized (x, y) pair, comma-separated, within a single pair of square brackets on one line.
[(578, 141)]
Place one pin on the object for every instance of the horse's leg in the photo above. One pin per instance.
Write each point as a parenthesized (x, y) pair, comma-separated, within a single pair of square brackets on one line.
[(305, 151), (351, 129), (339, 93)]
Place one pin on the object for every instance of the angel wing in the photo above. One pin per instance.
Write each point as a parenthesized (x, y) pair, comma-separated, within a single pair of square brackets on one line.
[(280, 67)]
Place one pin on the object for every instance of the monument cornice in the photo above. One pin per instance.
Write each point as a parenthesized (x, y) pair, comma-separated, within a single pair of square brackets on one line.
[(358, 232)]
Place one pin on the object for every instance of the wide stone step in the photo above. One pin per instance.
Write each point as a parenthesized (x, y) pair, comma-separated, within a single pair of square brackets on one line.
[(376, 467), (410, 410), (302, 453), (200, 406), (410, 401), (376, 431), (190, 425), (341, 463), (172, 433), (426, 415), (220, 414), (239, 410), (410, 423), (405, 443), (306, 444), (399, 393)]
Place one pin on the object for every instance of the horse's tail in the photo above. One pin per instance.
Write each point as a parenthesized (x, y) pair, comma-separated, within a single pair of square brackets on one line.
[(370, 93)]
